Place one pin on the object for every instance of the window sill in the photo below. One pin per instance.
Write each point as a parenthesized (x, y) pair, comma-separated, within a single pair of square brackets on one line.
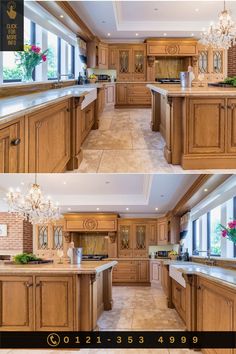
[(216, 258), (38, 83)]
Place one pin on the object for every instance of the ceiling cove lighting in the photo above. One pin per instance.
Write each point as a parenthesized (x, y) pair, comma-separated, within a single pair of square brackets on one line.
[(33, 206), (221, 35)]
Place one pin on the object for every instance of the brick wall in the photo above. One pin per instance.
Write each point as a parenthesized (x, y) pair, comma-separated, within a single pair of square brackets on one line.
[(232, 61), (19, 235)]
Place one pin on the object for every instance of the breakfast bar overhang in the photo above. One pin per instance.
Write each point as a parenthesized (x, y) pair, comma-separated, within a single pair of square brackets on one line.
[(198, 125)]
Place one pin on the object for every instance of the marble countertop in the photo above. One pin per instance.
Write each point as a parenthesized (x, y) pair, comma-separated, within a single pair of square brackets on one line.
[(174, 90), (14, 107), (86, 267), (219, 274)]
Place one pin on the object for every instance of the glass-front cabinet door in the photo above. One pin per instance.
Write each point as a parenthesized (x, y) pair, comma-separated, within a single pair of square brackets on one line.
[(217, 61), (139, 64), (124, 67), (203, 62), (125, 240), (140, 240)]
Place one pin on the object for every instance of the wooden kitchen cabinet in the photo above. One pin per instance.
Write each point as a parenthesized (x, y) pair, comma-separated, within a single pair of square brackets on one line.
[(162, 231), (212, 63), (125, 239), (179, 299), (54, 303), (231, 124), (16, 303), (131, 271), (206, 124), (87, 120), (112, 58), (100, 100), (121, 94), (130, 94), (172, 47), (131, 65), (216, 310), (97, 54), (173, 229), (49, 138), (152, 234), (12, 143), (155, 273), (140, 242)]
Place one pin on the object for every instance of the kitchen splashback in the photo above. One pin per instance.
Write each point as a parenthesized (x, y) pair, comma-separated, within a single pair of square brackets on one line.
[(170, 67), (92, 243)]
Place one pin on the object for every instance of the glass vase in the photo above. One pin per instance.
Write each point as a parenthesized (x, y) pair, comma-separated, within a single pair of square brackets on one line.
[(27, 74)]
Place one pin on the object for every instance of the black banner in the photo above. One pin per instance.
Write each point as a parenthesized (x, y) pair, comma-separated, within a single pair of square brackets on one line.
[(120, 339), (11, 25)]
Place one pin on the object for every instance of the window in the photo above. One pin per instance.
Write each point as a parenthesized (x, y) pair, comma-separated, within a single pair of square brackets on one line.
[(53, 62), (206, 235), (61, 57)]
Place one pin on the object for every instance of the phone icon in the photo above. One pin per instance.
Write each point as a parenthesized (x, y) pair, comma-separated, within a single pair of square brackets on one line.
[(53, 339)]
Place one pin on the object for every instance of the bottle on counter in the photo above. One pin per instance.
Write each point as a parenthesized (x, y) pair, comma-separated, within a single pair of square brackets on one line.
[(186, 255)]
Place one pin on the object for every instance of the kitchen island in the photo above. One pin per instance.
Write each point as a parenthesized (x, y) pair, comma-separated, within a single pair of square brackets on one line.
[(198, 125), (54, 297)]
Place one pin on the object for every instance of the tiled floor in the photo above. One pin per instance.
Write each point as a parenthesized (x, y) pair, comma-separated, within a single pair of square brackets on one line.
[(135, 308), (124, 143)]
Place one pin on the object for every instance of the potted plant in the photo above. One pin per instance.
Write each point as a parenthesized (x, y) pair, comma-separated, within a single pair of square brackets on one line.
[(92, 78), (29, 59), (228, 231)]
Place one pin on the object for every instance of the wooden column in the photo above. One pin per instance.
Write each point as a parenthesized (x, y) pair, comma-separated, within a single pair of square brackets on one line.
[(107, 289), (66, 242), (191, 302), (88, 302)]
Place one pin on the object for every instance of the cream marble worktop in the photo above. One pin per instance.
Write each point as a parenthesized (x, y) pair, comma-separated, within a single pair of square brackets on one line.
[(14, 107), (175, 90), (86, 267), (221, 275)]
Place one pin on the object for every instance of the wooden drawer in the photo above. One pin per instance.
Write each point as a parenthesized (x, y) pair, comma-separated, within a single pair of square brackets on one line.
[(138, 90), (125, 253), (124, 277), (139, 100), (125, 77), (140, 253)]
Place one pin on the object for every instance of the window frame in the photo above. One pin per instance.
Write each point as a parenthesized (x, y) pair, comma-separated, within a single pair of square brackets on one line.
[(234, 216)]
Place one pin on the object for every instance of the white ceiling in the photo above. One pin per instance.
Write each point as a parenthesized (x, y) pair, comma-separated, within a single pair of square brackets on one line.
[(123, 19), (109, 192)]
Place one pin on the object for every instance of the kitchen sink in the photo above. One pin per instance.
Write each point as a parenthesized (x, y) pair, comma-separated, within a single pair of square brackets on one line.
[(176, 274)]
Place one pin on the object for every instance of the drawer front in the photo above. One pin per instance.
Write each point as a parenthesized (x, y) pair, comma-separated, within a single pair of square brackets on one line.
[(139, 100), (140, 253)]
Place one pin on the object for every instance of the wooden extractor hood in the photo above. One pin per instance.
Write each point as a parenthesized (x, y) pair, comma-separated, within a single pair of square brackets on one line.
[(91, 222), (172, 47)]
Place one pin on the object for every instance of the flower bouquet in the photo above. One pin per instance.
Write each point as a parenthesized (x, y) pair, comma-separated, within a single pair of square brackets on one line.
[(229, 232), (29, 59)]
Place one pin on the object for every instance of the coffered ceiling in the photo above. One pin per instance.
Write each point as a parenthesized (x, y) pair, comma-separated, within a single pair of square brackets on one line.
[(122, 193), (142, 19)]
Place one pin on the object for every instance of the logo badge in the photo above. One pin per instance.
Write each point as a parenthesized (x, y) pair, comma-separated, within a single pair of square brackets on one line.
[(11, 10), (53, 339)]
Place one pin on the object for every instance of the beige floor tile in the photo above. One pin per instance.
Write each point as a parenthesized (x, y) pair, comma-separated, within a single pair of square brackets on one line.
[(147, 140), (108, 139), (134, 161), (105, 124), (90, 162)]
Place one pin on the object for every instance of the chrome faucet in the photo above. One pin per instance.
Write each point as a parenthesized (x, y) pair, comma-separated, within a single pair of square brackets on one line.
[(208, 259), (58, 84)]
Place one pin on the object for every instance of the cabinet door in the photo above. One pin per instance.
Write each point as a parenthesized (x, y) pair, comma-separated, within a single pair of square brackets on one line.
[(125, 272), (54, 303), (143, 271), (125, 240), (155, 273), (140, 240), (16, 296), (139, 64), (162, 232), (231, 131), (121, 94), (49, 138), (203, 62), (110, 95), (179, 298), (113, 56), (206, 125), (103, 56), (125, 64), (12, 148), (165, 279), (152, 234)]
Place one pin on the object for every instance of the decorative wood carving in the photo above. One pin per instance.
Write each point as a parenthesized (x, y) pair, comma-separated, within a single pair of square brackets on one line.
[(67, 237), (90, 224), (151, 61), (172, 49), (112, 236)]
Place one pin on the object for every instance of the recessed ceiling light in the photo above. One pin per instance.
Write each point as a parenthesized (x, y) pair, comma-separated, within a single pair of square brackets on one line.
[(103, 21), (97, 209), (61, 16), (108, 34), (22, 183), (197, 9), (136, 34), (156, 9), (164, 34), (156, 208), (68, 209), (107, 182), (192, 34), (64, 182), (205, 190), (127, 208)]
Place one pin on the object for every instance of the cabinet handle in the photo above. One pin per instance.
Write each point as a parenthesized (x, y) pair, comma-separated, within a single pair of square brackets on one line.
[(38, 285), (28, 285), (15, 142), (67, 110), (232, 106), (199, 287), (222, 106)]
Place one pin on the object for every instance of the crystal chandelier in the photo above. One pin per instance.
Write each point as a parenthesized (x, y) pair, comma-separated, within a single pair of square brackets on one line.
[(33, 206), (221, 35)]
